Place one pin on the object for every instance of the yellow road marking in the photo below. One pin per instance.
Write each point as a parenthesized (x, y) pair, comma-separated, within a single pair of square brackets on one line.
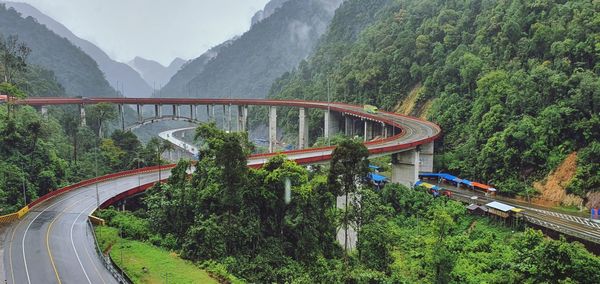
[(12, 238), (48, 240)]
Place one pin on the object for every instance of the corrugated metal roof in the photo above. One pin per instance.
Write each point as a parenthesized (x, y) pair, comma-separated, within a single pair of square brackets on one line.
[(500, 206)]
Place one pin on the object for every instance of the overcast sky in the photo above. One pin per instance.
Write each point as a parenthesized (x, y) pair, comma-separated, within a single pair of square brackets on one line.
[(154, 29)]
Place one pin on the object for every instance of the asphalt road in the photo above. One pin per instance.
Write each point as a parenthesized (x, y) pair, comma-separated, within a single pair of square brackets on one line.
[(53, 243)]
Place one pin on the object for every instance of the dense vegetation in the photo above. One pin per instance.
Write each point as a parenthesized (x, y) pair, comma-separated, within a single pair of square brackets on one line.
[(514, 84), (246, 66), (40, 154), (76, 71), (238, 217)]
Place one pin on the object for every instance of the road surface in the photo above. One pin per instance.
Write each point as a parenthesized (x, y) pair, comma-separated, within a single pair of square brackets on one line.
[(53, 242)]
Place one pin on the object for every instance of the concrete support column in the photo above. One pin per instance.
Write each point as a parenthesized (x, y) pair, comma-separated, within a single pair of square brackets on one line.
[(82, 115), (272, 128), (229, 126), (426, 156), (192, 112), (326, 123), (175, 111), (224, 121), (157, 111), (348, 123), (122, 115), (210, 112), (302, 129), (140, 115), (242, 118), (368, 133), (405, 167), (384, 130), (44, 111)]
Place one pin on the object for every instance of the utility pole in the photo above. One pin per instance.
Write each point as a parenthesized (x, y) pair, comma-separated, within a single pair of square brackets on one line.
[(158, 156), (328, 113), (24, 192), (96, 173)]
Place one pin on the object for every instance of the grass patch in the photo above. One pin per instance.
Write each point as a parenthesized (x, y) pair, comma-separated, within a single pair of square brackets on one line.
[(132, 256)]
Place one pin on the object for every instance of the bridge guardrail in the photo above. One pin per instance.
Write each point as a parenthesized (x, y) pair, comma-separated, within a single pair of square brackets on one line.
[(108, 262), (23, 211)]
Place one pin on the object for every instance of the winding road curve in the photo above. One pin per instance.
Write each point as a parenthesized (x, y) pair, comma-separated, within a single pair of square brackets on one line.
[(54, 244)]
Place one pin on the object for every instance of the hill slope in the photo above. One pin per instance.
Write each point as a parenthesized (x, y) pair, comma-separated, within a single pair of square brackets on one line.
[(514, 84), (116, 73), (248, 65), (74, 69)]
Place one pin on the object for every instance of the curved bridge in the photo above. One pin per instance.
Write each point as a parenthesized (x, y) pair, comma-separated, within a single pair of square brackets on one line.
[(53, 243)]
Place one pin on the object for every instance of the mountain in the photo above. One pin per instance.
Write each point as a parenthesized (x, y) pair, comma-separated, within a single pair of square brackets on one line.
[(247, 66), (267, 11), (118, 74), (514, 85), (179, 83), (154, 73), (75, 70)]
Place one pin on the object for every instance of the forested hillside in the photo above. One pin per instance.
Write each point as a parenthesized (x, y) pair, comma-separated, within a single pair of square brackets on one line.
[(514, 84), (40, 154), (76, 71), (247, 66), (236, 220)]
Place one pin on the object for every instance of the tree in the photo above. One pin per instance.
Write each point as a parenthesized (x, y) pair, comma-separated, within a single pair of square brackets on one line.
[(348, 169), (100, 114), (13, 56), (12, 92)]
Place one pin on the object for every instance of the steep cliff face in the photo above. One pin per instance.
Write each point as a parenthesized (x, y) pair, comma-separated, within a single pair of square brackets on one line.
[(247, 66), (119, 75), (267, 11)]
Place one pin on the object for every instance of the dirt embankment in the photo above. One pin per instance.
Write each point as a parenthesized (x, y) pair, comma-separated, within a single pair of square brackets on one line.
[(553, 187), (407, 105)]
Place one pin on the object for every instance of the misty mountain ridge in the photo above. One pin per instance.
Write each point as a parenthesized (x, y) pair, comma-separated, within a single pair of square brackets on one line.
[(76, 71), (154, 73), (247, 66), (119, 75), (269, 9)]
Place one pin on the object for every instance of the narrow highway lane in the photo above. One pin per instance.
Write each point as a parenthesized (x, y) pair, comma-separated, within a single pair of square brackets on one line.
[(53, 243)]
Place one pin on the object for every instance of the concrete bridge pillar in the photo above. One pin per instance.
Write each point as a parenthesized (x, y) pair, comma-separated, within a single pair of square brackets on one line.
[(368, 132), (157, 111), (426, 156), (175, 111), (348, 123), (192, 112), (44, 111), (405, 167), (140, 115), (384, 130), (272, 128), (211, 113), (302, 129), (82, 115), (229, 124), (242, 118), (122, 116)]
